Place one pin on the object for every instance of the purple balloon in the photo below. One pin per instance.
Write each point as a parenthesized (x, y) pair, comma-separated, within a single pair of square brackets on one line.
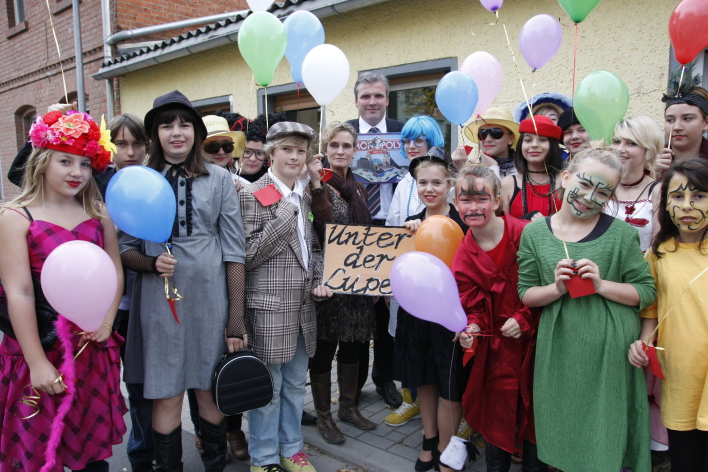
[(492, 5), (425, 287), (540, 39)]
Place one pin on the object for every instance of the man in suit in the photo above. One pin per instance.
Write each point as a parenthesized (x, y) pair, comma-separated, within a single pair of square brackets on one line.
[(371, 99)]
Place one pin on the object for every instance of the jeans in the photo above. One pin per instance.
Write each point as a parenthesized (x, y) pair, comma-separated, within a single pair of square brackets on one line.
[(275, 429), (140, 446)]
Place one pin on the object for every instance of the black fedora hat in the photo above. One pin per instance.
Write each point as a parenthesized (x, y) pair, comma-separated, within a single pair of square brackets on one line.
[(435, 154), (175, 98)]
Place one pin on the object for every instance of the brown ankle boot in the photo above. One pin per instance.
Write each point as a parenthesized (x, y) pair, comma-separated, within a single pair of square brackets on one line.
[(348, 386), (237, 444), (321, 385)]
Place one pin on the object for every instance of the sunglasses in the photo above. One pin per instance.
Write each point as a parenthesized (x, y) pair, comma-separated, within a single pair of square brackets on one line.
[(418, 142), (213, 147), (248, 153), (497, 133)]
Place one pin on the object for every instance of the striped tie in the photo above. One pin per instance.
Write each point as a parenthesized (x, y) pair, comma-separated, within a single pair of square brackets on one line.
[(373, 191)]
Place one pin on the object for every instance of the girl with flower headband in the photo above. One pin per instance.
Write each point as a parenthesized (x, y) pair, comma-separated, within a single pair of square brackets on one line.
[(77, 418)]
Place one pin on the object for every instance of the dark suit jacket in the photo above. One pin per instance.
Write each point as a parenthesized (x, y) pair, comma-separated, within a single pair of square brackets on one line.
[(392, 126)]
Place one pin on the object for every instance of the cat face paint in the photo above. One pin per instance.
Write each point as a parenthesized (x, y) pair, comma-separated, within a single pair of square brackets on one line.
[(476, 205), (589, 190), (688, 207)]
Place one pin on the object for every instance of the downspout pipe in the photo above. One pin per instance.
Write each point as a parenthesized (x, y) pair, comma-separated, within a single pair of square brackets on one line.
[(78, 52), (107, 56)]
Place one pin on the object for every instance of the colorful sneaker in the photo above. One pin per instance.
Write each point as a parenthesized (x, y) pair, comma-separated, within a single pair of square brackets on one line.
[(464, 431), (267, 468), (406, 412), (297, 463)]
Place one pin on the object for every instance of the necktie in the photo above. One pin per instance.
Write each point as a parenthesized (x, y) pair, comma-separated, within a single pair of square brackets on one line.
[(373, 191)]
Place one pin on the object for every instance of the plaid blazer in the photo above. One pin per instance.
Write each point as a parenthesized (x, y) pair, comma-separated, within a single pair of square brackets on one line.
[(279, 298)]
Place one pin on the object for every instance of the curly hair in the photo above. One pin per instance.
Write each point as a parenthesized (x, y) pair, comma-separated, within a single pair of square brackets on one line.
[(258, 129)]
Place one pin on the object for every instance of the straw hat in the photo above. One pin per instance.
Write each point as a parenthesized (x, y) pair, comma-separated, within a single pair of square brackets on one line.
[(493, 116), (218, 126)]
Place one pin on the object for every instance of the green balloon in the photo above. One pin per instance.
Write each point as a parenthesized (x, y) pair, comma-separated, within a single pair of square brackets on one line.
[(601, 101), (578, 10), (261, 40)]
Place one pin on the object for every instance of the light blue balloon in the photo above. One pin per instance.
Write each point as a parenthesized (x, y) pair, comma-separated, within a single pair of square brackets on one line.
[(305, 32), (142, 203), (457, 97)]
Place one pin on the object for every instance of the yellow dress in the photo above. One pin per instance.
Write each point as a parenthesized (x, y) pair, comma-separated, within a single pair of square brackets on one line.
[(683, 334)]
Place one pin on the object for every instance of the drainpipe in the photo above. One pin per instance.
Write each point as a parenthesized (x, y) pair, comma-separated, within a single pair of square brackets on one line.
[(78, 52), (110, 96)]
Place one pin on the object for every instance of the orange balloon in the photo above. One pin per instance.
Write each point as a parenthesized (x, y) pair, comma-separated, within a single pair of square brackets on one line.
[(439, 236)]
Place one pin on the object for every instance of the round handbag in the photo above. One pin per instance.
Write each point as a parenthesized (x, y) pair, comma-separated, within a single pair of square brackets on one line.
[(242, 382)]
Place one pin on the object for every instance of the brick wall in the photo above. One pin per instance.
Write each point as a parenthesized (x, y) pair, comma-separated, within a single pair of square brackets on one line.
[(30, 75)]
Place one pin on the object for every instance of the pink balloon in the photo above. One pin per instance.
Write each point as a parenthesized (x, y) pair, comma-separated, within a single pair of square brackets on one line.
[(492, 5), (425, 287), (487, 73), (80, 281), (540, 39)]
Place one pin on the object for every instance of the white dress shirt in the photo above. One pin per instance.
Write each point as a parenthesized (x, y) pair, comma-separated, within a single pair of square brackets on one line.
[(293, 196)]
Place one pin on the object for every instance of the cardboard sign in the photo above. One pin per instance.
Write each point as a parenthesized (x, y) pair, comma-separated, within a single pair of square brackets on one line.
[(379, 159), (358, 258)]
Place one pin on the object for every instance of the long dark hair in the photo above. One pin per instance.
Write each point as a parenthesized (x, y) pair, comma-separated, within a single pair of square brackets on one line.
[(696, 171), (194, 163), (554, 158)]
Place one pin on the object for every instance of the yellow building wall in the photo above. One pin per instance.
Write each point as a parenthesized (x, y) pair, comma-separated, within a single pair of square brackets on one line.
[(627, 37)]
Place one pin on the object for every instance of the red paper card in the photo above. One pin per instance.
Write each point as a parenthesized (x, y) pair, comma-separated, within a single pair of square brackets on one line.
[(469, 353), (654, 364), (579, 287), (325, 175), (268, 195), (468, 150)]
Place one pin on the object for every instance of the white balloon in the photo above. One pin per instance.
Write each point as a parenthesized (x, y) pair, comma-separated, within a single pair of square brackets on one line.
[(325, 72), (487, 73), (259, 5)]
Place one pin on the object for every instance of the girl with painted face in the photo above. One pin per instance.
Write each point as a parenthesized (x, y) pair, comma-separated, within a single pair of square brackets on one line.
[(685, 121), (677, 256), (497, 400), (423, 349), (531, 193), (588, 401), (83, 409), (638, 141)]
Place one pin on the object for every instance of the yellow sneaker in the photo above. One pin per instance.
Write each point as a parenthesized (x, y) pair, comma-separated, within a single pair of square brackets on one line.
[(297, 463), (464, 431), (406, 412), (267, 468)]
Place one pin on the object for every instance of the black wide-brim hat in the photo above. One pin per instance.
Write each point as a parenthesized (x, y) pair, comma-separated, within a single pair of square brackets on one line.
[(176, 99), (435, 154)]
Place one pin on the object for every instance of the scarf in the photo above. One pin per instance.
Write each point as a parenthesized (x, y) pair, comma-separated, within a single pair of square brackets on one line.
[(349, 191), (253, 177)]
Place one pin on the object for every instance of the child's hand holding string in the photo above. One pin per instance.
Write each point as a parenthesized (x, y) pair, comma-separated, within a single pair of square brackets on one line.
[(511, 329), (637, 356), (587, 269), (564, 270), (165, 264), (44, 377), (466, 337)]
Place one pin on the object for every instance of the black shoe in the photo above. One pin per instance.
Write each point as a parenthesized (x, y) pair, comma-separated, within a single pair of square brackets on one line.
[(142, 467), (429, 444), (392, 397), (308, 419)]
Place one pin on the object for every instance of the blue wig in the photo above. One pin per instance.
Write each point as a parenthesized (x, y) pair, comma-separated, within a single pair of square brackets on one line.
[(426, 126)]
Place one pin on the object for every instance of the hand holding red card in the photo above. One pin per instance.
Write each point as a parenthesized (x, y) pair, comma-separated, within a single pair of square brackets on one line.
[(325, 175), (578, 287), (654, 364)]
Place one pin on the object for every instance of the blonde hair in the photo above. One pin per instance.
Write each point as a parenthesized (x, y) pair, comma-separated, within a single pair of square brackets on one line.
[(473, 172), (288, 140), (331, 131), (33, 182), (428, 163), (646, 133)]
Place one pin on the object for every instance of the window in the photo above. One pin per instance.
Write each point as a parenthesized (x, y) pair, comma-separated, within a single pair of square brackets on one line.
[(298, 105), (15, 12), (211, 106), (24, 117)]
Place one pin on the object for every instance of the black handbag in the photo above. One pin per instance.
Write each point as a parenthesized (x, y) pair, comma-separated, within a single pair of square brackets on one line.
[(46, 317), (242, 382)]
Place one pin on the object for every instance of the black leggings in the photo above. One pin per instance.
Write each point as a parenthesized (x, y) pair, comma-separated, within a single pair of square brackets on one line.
[(688, 450), (324, 354)]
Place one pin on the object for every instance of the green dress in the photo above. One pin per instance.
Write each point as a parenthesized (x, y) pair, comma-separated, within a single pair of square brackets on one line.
[(590, 404)]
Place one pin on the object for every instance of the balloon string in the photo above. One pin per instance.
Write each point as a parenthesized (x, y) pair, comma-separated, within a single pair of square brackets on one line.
[(488, 24), (171, 301), (678, 89), (575, 59), (518, 73), (266, 108), (323, 111), (671, 133), (56, 41), (297, 114)]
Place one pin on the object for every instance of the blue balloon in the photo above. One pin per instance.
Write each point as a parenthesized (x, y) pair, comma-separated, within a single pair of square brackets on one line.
[(457, 96), (305, 32), (142, 203)]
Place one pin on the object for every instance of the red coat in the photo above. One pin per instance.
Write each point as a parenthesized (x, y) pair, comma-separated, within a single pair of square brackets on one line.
[(497, 400)]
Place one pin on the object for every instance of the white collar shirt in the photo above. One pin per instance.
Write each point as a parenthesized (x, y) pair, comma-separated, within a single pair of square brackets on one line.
[(293, 196)]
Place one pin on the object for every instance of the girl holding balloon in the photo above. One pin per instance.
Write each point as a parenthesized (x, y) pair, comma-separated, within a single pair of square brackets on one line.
[(531, 193), (41, 381), (423, 349), (176, 343), (590, 405), (498, 398)]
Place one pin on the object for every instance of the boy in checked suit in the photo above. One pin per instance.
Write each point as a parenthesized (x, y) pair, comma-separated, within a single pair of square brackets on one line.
[(283, 273)]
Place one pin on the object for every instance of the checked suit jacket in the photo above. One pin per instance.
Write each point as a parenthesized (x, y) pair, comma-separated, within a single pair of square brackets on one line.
[(279, 298)]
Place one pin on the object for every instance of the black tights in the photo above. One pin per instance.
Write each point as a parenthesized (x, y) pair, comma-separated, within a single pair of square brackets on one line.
[(324, 354), (98, 466), (689, 450), (499, 460)]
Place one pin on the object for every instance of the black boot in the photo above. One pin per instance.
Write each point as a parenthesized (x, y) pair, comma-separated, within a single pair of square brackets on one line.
[(213, 439), (530, 462), (498, 460), (429, 444), (168, 451)]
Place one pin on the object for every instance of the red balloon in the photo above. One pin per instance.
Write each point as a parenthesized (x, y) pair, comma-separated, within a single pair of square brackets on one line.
[(687, 29)]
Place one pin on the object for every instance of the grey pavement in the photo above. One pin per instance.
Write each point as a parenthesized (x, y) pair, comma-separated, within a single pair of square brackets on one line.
[(384, 449)]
